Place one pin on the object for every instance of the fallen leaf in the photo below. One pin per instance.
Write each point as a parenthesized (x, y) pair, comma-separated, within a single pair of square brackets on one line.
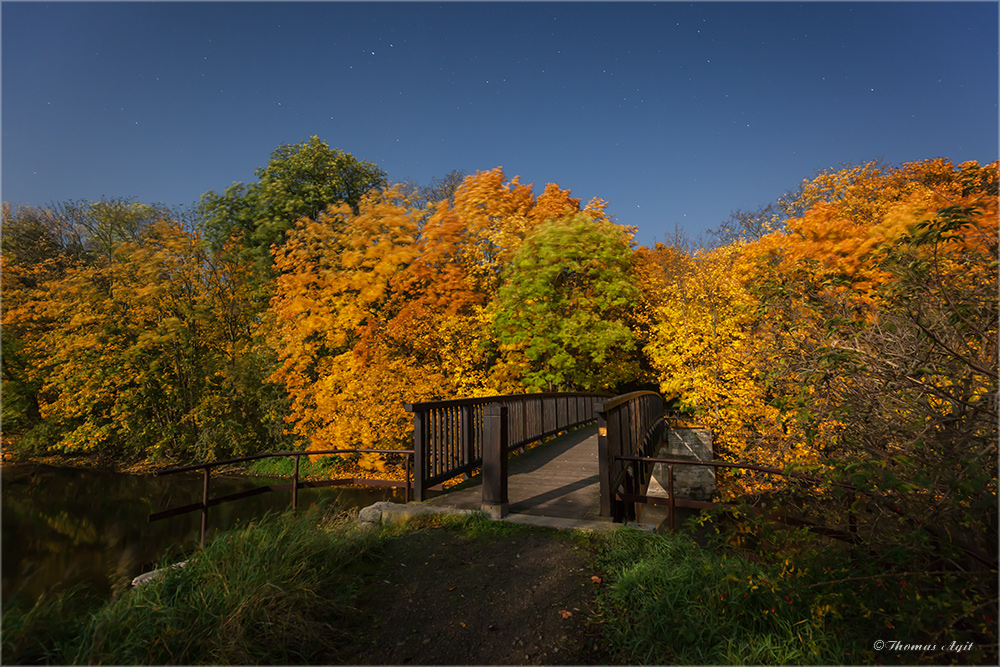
[(565, 614), (596, 579)]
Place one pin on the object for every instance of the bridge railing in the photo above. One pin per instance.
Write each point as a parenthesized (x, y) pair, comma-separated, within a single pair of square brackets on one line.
[(628, 426), (449, 436), (293, 486)]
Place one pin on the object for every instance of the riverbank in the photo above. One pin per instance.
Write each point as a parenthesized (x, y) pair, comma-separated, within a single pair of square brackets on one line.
[(294, 590), (85, 461)]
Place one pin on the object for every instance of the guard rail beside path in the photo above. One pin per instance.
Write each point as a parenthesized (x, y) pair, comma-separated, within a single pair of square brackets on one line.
[(294, 485)]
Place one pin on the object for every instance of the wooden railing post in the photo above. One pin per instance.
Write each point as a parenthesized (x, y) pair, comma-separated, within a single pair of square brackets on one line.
[(495, 502), (670, 496), (295, 485), (204, 507), (419, 458)]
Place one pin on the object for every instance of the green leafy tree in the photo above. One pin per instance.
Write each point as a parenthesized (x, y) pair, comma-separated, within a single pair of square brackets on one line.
[(564, 306), (300, 181)]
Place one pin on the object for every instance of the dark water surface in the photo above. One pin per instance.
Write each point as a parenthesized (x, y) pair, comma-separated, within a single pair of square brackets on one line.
[(64, 526)]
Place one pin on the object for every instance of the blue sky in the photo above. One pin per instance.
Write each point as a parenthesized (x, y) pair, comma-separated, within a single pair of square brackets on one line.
[(675, 113)]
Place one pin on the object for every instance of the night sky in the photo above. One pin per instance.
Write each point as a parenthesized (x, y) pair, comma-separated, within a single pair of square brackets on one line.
[(675, 113)]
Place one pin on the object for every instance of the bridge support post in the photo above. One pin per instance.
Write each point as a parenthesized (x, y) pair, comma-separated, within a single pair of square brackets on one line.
[(603, 461), (495, 502), (419, 458)]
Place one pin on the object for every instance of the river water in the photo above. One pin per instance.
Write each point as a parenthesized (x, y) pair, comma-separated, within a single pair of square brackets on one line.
[(67, 526)]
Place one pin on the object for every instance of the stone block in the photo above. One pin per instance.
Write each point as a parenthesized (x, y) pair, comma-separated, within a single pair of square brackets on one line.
[(690, 482)]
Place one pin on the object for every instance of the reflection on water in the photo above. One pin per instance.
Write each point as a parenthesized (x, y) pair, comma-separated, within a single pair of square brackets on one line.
[(63, 526)]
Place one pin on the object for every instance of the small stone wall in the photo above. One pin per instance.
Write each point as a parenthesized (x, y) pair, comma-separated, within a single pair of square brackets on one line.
[(690, 482)]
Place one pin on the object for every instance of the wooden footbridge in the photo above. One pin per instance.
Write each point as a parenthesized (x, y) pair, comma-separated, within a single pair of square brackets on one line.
[(593, 466), (598, 458), (570, 477)]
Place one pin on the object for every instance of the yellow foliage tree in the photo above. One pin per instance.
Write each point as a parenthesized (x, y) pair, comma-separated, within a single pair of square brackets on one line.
[(148, 352), (858, 341)]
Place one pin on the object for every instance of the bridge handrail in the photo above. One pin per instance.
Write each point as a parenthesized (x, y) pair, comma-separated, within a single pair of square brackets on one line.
[(626, 425), (483, 400), (295, 484), (254, 457), (448, 435)]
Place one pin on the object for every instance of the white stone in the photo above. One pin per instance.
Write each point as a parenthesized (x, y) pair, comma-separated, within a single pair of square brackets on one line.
[(147, 577)]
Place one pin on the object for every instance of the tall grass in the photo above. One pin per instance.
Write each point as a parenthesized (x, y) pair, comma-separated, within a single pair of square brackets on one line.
[(47, 632), (794, 599), (671, 602), (278, 591)]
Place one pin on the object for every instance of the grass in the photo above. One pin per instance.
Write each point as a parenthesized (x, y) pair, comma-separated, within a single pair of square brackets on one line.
[(284, 466), (794, 599), (48, 631), (277, 592), (280, 591), (671, 602)]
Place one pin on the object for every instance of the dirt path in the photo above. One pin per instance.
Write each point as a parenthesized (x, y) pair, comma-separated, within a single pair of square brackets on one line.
[(440, 597)]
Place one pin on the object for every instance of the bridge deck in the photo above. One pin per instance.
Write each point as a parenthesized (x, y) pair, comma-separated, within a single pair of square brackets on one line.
[(557, 479)]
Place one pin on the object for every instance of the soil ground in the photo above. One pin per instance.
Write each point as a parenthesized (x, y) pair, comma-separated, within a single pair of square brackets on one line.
[(439, 596)]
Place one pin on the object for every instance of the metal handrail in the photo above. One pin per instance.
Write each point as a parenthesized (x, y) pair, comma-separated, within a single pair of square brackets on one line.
[(852, 490), (295, 484), (672, 502)]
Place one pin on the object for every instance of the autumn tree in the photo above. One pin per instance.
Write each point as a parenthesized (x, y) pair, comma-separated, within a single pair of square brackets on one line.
[(39, 247), (144, 345), (438, 189), (746, 225), (394, 303), (858, 342), (338, 290), (902, 281), (35, 250), (564, 303), (299, 181)]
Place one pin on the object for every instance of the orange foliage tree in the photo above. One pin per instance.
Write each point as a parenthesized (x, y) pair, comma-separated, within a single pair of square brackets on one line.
[(395, 304)]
